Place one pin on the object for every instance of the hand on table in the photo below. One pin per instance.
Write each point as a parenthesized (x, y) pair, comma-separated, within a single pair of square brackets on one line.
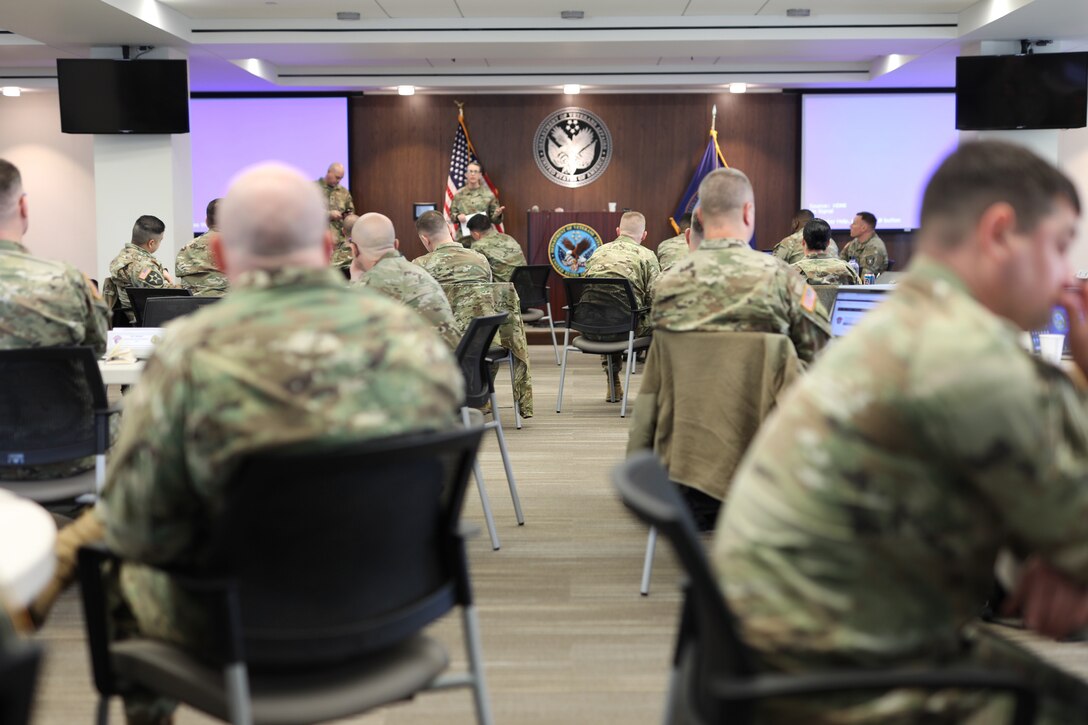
[(1048, 601)]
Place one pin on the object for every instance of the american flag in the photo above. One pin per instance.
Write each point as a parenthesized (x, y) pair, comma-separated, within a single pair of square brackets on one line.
[(462, 155)]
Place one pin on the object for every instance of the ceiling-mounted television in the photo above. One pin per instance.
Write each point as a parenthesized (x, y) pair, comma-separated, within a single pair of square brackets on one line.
[(123, 96), (1044, 90)]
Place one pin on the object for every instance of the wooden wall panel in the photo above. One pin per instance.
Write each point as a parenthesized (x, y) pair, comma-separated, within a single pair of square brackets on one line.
[(401, 148)]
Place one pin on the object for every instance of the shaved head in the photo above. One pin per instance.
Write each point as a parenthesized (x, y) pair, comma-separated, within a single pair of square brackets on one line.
[(334, 174), (723, 193), (271, 217), (633, 224), (373, 234)]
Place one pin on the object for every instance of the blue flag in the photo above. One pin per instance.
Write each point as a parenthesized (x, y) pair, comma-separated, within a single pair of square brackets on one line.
[(712, 160)]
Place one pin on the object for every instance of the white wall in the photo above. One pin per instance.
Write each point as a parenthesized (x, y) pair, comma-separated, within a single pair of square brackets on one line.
[(58, 175), (1073, 158)]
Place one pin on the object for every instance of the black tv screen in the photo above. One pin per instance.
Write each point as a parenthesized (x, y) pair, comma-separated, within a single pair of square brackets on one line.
[(1046, 90), (123, 96)]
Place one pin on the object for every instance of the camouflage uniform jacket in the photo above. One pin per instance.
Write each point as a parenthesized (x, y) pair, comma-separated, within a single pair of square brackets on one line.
[(792, 248), (290, 358), (196, 269), (671, 251), (135, 267), (503, 253), (823, 268), (726, 285), (452, 263), (863, 525), (46, 303), (625, 258), (474, 201), (871, 256), (396, 277), (337, 198)]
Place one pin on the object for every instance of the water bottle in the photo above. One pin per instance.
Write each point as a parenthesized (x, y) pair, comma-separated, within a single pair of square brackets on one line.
[(855, 266)]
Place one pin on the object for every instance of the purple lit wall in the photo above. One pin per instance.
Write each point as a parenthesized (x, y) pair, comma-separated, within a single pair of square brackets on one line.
[(873, 152), (228, 134)]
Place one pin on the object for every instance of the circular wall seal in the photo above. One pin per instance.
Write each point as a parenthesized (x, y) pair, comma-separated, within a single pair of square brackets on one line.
[(570, 247), (572, 147)]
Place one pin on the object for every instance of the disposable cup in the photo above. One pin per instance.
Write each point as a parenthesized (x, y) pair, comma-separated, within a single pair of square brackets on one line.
[(611, 206), (1050, 347)]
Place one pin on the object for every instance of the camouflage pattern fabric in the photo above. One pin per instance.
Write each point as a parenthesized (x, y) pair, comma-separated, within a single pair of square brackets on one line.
[(871, 256), (290, 358), (671, 251), (337, 198), (503, 253), (196, 269), (453, 264), (726, 285), (862, 527), (625, 258), (397, 278), (47, 304), (479, 299), (792, 248), (822, 268), (136, 267)]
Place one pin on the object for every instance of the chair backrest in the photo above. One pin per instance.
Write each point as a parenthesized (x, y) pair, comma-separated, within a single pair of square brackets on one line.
[(471, 353), (708, 624), (139, 296), (48, 400), (19, 665), (346, 551), (160, 310), (601, 306), (826, 293), (531, 282)]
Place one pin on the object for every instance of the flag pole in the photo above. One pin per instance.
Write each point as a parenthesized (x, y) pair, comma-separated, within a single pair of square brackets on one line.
[(714, 118)]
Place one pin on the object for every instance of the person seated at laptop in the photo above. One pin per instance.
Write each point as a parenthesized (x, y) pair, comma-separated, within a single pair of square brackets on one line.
[(862, 527), (818, 266), (865, 248)]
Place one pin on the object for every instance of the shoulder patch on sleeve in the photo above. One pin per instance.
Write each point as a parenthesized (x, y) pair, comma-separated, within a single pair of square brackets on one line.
[(143, 275), (809, 298)]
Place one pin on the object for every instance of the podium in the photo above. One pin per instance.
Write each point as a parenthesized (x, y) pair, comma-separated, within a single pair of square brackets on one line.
[(542, 226)]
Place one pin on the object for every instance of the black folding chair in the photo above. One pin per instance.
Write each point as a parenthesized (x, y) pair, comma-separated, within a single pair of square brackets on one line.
[(53, 411), (531, 283), (602, 307), (715, 678), (19, 665), (472, 353), (160, 310), (321, 574), (139, 296)]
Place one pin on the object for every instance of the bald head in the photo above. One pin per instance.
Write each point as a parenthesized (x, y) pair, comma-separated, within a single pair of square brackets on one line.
[(373, 234), (272, 217), (334, 174), (632, 224), (727, 205)]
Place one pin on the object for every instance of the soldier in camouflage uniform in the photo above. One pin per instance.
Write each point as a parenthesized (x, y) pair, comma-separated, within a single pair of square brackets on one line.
[(195, 266), (792, 248), (726, 285), (291, 357), (673, 249), (379, 266), (502, 251), (136, 265), (866, 248), (447, 261), (43, 304), (818, 266), (341, 210), (474, 198), (625, 257), (862, 527)]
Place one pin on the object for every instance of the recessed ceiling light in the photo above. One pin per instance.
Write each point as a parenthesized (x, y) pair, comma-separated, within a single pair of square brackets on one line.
[(572, 89), (348, 15), (12, 91), (406, 90), (738, 87)]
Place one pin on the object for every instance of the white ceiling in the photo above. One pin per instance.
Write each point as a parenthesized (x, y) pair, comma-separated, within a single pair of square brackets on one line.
[(524, 46)]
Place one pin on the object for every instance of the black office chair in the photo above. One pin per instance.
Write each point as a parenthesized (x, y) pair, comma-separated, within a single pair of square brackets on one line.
[(324, 568), (19, 665), (53, 412), (531, 283), (602, 307), (715, 678), (139, 296), (160, 310), (472, 354)]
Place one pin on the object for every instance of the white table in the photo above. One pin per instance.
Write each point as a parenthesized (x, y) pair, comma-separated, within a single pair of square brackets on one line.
[(119, 373), (27, 535)]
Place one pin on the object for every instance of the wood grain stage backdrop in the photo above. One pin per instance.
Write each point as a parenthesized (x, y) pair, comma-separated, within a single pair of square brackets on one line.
[(401, 154)]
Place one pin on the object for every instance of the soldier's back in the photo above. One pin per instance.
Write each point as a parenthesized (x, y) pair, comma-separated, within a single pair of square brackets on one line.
[(671, 251), (826, 269), (197, 271), (503, 254), (452, 264), (410, 284)]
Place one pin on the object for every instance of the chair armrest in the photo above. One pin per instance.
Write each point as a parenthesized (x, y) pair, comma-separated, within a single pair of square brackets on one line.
[(766, 686), (102, 427)]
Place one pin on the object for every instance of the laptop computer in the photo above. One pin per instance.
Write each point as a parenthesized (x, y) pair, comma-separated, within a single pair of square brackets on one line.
[(852, 302)]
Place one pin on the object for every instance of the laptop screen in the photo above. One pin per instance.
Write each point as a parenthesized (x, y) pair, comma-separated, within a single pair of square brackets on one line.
[(851, 304)]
